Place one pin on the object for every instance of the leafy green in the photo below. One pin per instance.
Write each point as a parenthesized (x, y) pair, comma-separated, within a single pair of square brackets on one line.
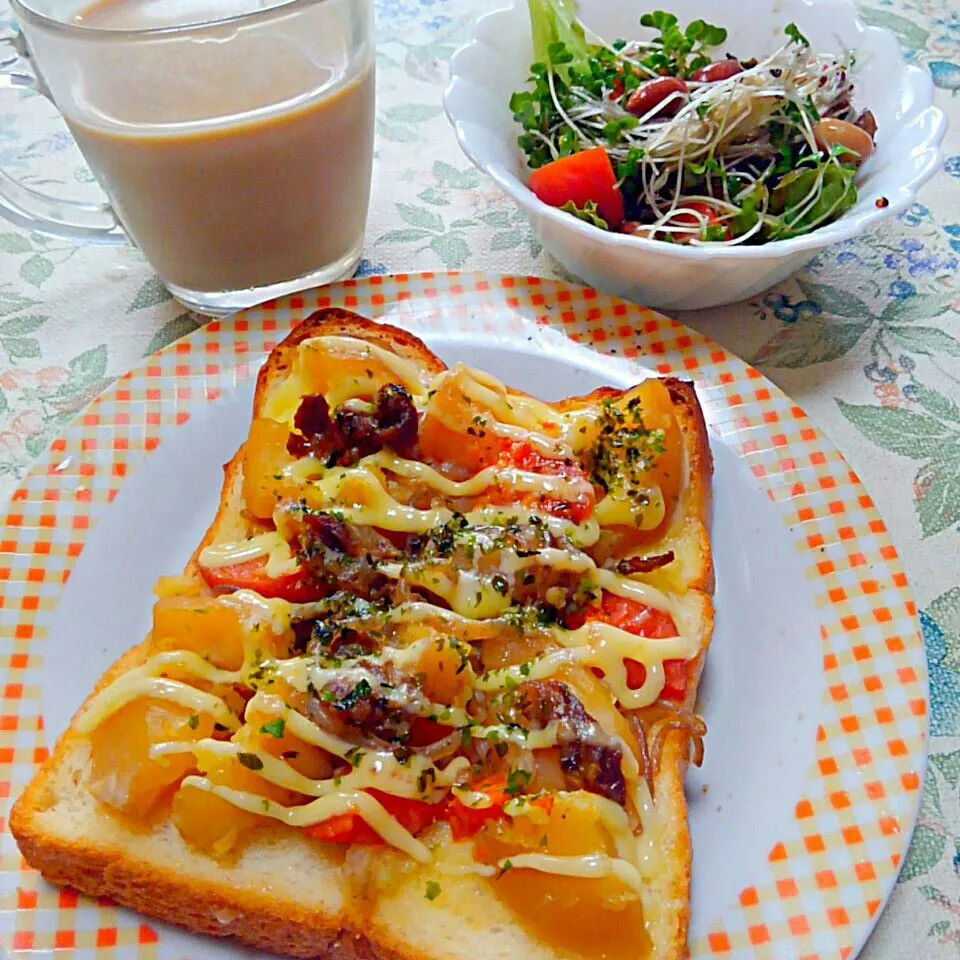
[(710, 165), (614, 128), (558, 38), (536, 111), (749, 215), (677, 45), (791, 197), (627, 170), (588, 213), (793, 32)]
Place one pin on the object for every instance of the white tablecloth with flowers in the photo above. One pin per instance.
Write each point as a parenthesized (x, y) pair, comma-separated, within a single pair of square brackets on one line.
[(867, 339)]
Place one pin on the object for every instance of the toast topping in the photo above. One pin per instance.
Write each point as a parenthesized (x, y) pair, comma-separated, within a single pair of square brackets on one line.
[(442, 634)]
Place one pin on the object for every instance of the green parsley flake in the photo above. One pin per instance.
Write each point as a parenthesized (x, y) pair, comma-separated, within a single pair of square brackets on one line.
[(275, 728), (625, 448), (250, 760), (516, 781)]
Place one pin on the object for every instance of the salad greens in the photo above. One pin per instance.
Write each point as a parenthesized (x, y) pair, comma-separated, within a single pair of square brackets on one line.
[(676, 44), (700, 146)]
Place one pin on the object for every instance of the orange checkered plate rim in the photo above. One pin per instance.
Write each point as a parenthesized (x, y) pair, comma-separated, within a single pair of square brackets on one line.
[(813, 887)]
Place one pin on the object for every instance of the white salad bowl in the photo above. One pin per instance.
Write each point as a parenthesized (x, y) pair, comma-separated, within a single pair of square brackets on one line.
[(496, 62)]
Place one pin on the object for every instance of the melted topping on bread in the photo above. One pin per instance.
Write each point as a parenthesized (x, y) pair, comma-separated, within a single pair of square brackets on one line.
[(422, 621)]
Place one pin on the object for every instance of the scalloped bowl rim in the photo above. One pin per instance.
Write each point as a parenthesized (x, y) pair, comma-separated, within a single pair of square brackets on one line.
[(856, 221)]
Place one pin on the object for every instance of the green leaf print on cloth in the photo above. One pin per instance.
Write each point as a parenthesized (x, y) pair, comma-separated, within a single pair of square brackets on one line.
[(172, 330), (932, 436), (801, 345)]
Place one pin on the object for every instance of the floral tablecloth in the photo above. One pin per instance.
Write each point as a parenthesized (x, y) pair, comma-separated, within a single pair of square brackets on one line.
[(867, 339)]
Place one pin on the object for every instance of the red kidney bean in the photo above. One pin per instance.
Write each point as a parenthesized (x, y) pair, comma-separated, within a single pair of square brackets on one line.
[(718, 70), (650, 95)]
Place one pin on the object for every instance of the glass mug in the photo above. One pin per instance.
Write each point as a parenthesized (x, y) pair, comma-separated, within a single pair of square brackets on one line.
[(233, 138)]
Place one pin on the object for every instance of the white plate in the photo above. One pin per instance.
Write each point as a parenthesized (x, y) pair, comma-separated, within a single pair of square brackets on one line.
[(769, 692)]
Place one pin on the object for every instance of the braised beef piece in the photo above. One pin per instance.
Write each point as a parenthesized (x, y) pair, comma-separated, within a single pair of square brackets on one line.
[(594, 768), (342, 642), (343, 554), (302, 635), (393, 424), (350, 435), (348, 707), (314, 434), (312, 418), (587, 757)]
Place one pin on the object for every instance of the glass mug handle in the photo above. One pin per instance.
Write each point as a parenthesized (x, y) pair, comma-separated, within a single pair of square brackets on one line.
[(32, 209)]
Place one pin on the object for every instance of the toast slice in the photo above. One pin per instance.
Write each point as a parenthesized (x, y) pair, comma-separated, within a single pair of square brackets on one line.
[(108, 818)]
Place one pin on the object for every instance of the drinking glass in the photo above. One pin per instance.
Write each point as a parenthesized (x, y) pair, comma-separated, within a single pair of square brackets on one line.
[(233, 138)]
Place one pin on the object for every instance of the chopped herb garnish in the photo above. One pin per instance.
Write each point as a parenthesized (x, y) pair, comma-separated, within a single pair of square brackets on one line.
[(250, 760), (517, 780), (361, 690), (354, 757), (275, 728), (432, 890), (426, 779)]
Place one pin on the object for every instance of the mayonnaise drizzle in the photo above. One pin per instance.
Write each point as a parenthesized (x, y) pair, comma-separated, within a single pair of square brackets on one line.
[(359, 493)]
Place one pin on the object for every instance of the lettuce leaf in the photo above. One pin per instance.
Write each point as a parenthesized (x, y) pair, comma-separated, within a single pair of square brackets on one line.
[(554, 22), (838, 194), (588, 213)]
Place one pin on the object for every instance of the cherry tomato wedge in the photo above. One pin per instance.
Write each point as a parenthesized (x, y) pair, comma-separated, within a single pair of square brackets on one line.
[(706, 213), (582, 178), (297, 587), (413, 815), (644, 621), (424, 732), (675, 678), (524, 457), (466, 821), (636, 618)]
